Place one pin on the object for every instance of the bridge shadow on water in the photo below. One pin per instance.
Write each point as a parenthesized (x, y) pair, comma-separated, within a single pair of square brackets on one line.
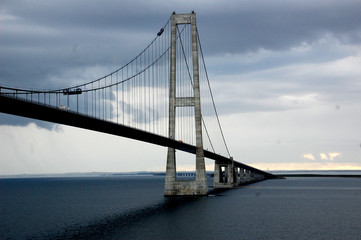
[(124, 224)]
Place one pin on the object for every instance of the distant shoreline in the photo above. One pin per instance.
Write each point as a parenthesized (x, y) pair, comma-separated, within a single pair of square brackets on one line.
[(320, 175), (297, 173)]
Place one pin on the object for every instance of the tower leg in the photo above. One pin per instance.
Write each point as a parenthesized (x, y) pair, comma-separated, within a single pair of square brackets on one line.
[(172, 185)]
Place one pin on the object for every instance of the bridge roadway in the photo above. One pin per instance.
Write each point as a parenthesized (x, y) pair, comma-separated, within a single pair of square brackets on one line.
[(40, 111)]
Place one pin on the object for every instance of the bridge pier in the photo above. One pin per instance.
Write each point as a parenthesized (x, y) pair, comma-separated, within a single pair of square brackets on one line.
[(174, 187), (249, 176), (241, 176), (225, 175)]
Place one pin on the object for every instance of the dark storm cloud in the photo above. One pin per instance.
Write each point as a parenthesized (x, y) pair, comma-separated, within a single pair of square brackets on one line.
[(41, 42), (7, 119), (84, 14), (275, 25), (42, 38)]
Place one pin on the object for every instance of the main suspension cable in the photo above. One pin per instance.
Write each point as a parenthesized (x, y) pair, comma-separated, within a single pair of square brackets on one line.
[(210, 90)]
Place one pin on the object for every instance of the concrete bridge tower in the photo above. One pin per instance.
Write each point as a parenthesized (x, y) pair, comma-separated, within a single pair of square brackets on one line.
[(174, 187)]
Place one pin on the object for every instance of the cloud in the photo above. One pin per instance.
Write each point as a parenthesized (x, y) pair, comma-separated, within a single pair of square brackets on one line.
[(330, 156), (267, 25), (308, 156), (7, 119), (30, 149), (40, 39), (294, 135), (323, 156), (288, 85)]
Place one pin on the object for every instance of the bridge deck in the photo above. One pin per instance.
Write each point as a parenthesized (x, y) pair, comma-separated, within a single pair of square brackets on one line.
[(19, 107)]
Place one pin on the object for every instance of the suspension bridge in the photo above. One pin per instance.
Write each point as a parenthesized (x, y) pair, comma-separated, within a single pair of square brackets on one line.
[(162, 96)]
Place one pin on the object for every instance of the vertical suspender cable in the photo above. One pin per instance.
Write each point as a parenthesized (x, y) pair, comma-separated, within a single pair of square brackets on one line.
[(110, 97), (117, 98)]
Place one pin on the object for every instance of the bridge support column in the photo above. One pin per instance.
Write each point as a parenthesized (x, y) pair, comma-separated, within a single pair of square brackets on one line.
[(241, 176), (247, 177), (225, 175), (232, 173), (174, 187), (217, 178)]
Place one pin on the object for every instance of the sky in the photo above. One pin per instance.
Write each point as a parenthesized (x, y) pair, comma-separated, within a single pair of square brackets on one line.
[(285, 76)]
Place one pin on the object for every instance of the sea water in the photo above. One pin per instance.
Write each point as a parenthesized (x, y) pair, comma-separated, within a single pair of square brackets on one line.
[(133, 207)]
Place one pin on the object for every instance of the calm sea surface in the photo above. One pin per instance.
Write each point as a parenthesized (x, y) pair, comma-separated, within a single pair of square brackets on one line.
[(133, 207)]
